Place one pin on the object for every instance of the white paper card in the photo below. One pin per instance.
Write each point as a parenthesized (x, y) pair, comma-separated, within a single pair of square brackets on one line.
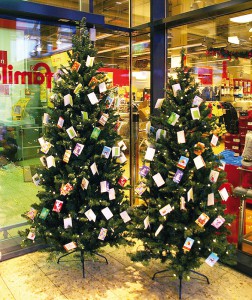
[(159, 102), (149, 155), (122, 158), (46, 118), (210, 199), (124, 215), (107, 213), (159, 229), (92, 98), (146, 222), (36, 179), (90, 215), (182, 203), (190, 195), (89, 61), (104, 186), (102, 87), (197, 101), (122, 145), (224, 194), (50, 161), (112, 194), (166, 210), (214, 140), (213, 177), (181, 137), (199, 162), (158, 179), (94, 169), (175, 88), (68, 100), (68, 222)]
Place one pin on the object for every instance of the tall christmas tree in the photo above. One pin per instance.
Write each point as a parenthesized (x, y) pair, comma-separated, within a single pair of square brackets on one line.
[(181, 219), (81, 205)]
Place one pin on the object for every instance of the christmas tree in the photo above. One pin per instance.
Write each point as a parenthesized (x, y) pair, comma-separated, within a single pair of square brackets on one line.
[(181, 217), (81, 204)]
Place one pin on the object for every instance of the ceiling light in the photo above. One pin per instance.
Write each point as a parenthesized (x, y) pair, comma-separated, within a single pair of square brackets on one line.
[(242, 19), (234, 40)]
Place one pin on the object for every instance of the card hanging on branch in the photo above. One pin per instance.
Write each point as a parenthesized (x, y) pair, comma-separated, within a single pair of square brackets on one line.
[(95, 133), (107, 213), (106, 152), (214, 140), (158, 179), (71, 132), (202, 220), (213, 177), (65, 189), (212, 259), (78, 149), (50, 161), (68, 222), (182, 203), (178, 176), (159, 102), (175, 88), (94, 169), (181, 137), (78, 88), (31, 214), (210, 199), (46, 118), (122, 145), (43, 161), (116, 152), (159, 133), (103, 119), (190, 195), (124, 215), (188, 244), (102, 234), (147, 222), (172, 120), (68, 100), (218, 222), (199, 162), (92, 98), (84, 115), (149, 155), (44, 213), (90, 61), (90, 215), (197, 101), (57, 206), (76, 66), (141, 188), (195, 113), (104, 186), (36, 179), (60, 122), (159, 229), (109, 102), (144, 170), (122, 181), (102, 87), (70, 246), (111, 194), (31, 235), (224, 194), (67, 156), (84, 183), (182, 162), (166, 210)]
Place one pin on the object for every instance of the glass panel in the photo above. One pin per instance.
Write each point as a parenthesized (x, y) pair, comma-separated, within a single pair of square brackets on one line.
[(176, 7), (140, 12)]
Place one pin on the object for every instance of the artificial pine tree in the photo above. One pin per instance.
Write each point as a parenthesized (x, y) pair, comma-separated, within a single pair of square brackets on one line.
[(180, 182), (81, 205)]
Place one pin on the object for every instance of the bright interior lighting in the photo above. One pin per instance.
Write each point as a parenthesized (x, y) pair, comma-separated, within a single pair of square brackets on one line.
[(242, 19), (233, 40)]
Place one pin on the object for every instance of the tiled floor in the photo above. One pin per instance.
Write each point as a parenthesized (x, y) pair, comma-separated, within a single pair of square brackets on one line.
[(32, 277)]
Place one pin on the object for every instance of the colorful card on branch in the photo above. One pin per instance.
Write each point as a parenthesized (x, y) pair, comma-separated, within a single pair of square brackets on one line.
[(182, 162), (178, 176), (84, 183), (213, 177), (67, 156), (144, 170), (195, 113), (84, 115), (76, 66), (188, 244), (36, 179), (31, 214), (172, 120), (102, 87), (212, 259), (218, 222), (57, 206), (102, 234), (202, 220), (106, 152), (197, 101), (78, 88), (78, 149), (60, 122), (103, 119), (95, 133), (65, 189), (141, 188), (70, 246), (159, 133), (44, 213), (122, 181), (71, 132)]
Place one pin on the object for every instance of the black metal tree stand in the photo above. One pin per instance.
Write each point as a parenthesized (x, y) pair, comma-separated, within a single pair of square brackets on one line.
[(180, 278), (82, 259)]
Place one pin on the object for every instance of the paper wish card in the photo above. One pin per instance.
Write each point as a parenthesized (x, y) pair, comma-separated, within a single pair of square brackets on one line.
[(197, 101), (212, 259), (160, 227), (141, 188), (68, 100), (44, 213), (104, 186), (195, 113), (178, 176), (122, 145), (70, 246), (144, 170), (36, 179), (146, 222), (166, 210), (181, 137), (218, 222), (116, 151), (102, 87), (106, 152), (122, 181), (76, 66), (122, 158), (78, 88), (78, 149), (103, 119), (92, 98), (67, 156), (111, 194), (31, 214), (109, 101), (182, 162), (159, 102), (224, 194), (158, 179), (90, 61), (210, 199), (124, 215), (57, 206), (46, 147), (159, 133), (90, 215), (175, 88), (68, 222), (150, 152), (102, 234), (95, 133), (199, 162), (50, 161), (94, 169), (182, 203), (188, 244), (84, 183), (46, 118), (43, 161), (190, 195), (172, 120), (107, 213), (84, 115), (213, 177), (31, 235), (202, 220), (65, 189), (214, 140), (60, 122), (71, 132)]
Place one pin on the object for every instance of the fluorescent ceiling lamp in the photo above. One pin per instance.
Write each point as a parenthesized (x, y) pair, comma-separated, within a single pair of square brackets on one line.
[(242, 19), (233, 40)]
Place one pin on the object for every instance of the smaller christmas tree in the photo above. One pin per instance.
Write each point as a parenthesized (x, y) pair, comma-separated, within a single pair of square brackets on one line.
[(82, 205), (181, 219)]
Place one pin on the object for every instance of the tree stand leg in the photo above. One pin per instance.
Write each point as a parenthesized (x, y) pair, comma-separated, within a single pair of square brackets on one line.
[(180, 279), (82, 259)]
